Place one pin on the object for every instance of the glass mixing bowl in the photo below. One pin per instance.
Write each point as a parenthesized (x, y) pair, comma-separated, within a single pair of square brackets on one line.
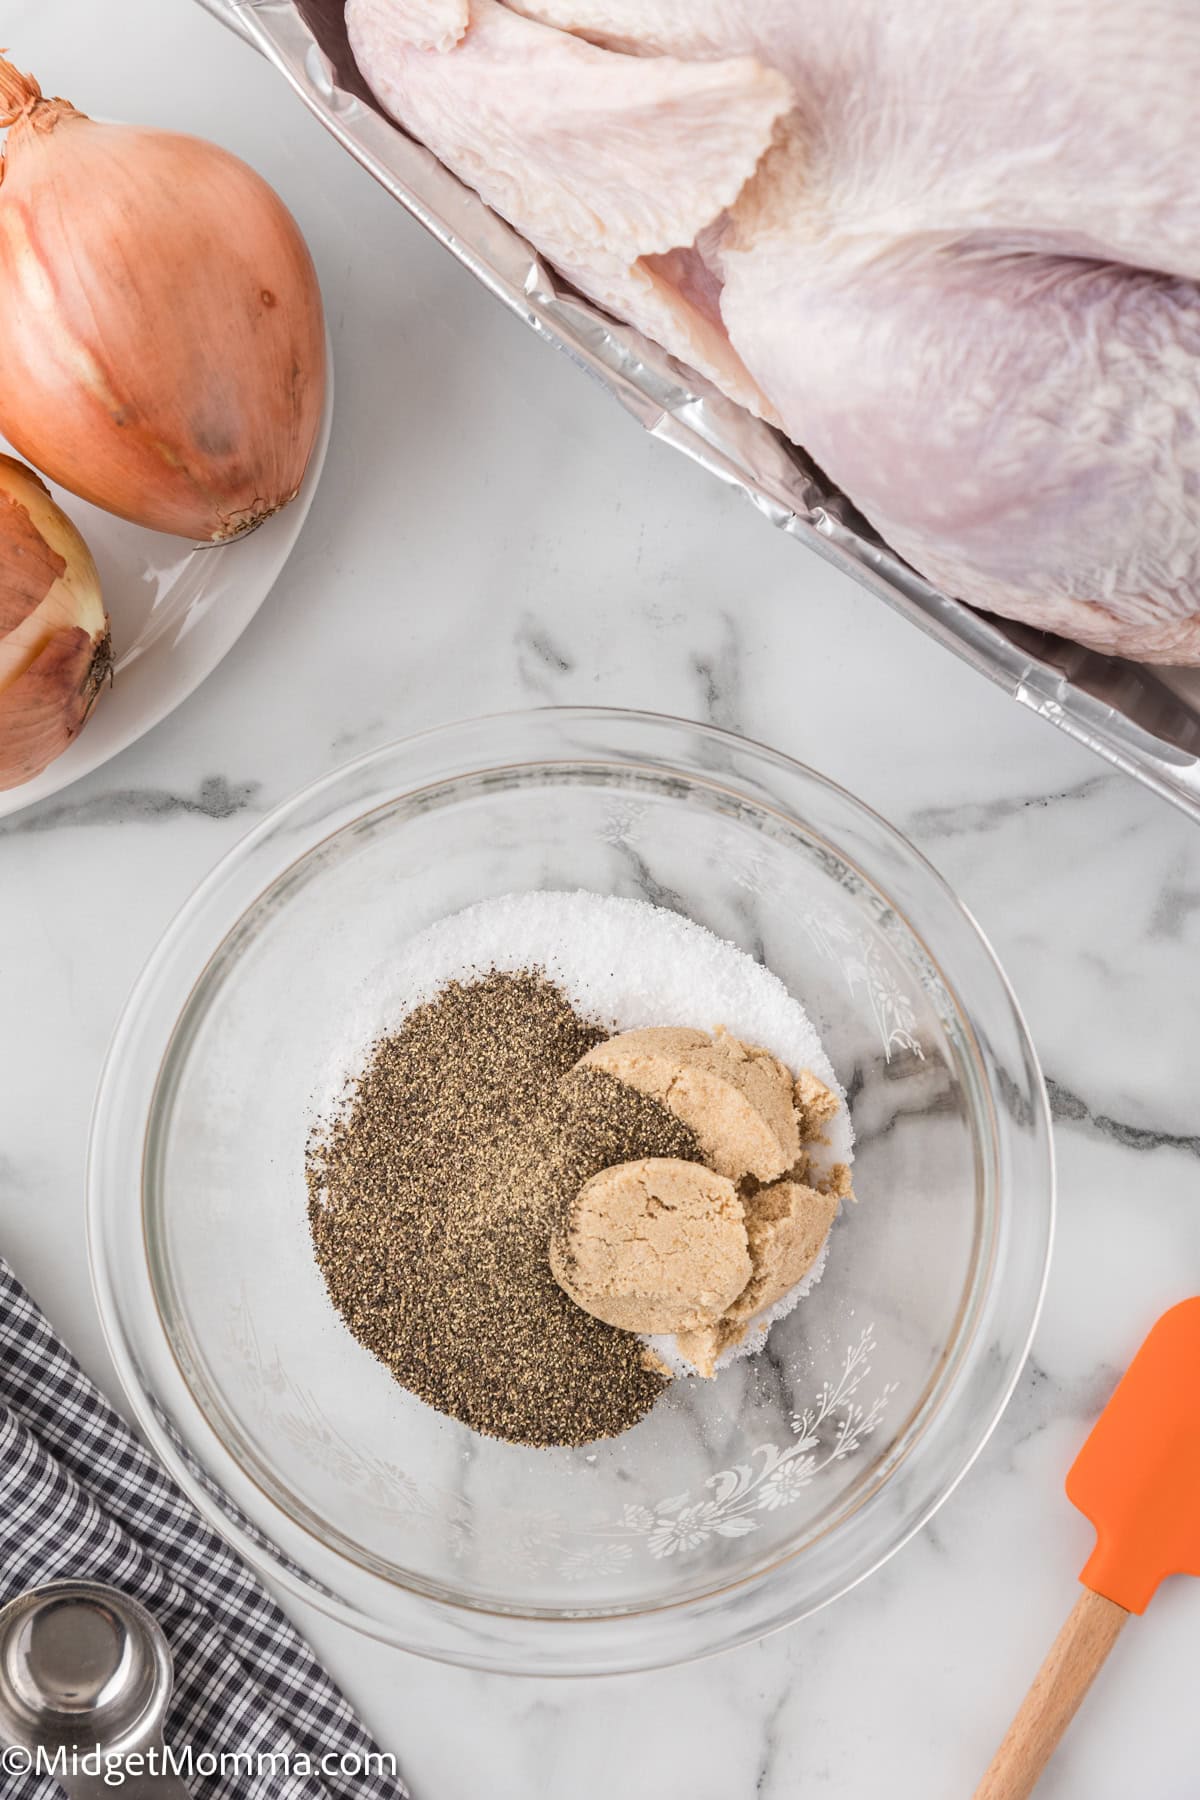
[(736, 1505)]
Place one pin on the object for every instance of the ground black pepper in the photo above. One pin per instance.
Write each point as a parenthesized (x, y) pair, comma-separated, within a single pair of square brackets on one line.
[(433, 1196)]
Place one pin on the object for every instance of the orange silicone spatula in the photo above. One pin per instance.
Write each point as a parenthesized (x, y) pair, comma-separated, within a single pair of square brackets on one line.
[(1138, 1480)]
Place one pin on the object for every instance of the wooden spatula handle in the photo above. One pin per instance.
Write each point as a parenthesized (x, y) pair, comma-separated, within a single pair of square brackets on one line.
[(1052, 1702)]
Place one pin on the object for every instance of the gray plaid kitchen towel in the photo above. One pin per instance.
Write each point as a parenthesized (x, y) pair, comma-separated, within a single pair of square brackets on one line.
[(81, 1497)]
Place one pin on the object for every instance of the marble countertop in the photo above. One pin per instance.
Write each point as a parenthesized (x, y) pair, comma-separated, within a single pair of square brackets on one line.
[(492, 532)]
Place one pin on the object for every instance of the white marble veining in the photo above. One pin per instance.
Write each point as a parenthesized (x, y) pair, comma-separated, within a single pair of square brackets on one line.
[(491, 532)]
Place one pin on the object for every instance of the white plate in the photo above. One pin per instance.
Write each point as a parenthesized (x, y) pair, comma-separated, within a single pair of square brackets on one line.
[(176, 609)]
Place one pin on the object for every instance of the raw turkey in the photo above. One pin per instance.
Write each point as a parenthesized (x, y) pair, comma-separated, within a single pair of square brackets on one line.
[(953, 251)]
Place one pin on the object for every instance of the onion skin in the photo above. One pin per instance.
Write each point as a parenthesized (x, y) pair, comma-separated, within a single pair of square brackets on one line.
[(162, 344), (55, 648)]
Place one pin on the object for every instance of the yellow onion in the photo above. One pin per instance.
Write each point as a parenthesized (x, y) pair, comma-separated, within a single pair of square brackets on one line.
[(162, 348), (55, 649)]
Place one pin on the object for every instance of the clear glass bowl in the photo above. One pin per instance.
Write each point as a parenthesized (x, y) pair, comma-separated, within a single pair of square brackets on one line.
[(736, 1505)]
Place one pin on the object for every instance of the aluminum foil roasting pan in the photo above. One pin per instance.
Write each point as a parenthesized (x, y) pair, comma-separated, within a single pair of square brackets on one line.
[(1143, 719)]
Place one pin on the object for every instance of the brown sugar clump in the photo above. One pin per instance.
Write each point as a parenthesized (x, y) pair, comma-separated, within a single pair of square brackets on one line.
[(736, 1097), (657, 1245)]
